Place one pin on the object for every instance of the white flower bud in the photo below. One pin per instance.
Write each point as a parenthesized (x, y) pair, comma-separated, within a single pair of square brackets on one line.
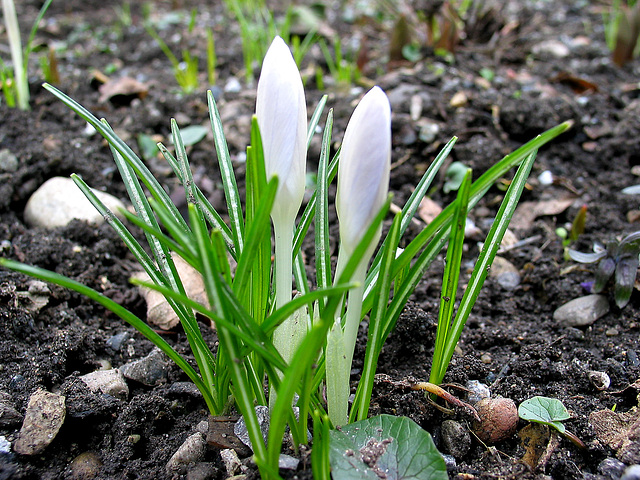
[(282, 117), (363, 171)]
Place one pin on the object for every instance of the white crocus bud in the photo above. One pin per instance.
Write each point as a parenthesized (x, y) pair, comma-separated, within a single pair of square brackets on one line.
[(281, 110), (363, 171), (363, 185)]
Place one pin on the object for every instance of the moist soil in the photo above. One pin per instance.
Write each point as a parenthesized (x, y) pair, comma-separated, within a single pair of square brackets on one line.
[(543, 63)]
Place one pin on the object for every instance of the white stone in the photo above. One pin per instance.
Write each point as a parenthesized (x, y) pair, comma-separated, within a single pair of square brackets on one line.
[(110, 382), (59, 200)]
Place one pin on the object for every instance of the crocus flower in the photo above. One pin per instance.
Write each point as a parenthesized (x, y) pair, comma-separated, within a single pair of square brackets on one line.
[(363, 184), (363, 171), (282, 117)]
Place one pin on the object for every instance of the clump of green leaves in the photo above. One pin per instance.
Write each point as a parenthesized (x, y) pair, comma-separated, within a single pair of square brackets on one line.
[(619, 260)]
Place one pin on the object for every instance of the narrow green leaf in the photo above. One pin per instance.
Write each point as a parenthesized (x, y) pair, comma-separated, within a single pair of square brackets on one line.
[(234, 206), (481, 269), (375, 340), (451, 274), (322, 251)]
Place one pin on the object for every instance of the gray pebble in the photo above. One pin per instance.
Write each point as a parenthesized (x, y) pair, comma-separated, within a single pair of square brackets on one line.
[(8, 161), (191, 451), (582, 311), (116, 341), (287, 462), (631, 473), (612, 468), (455, 438), (477, 391), (150, 370), (240, 428)]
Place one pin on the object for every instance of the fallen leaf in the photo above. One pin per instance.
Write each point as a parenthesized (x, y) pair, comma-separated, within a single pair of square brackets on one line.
[(122, 90), (428, 210), (527, 212)]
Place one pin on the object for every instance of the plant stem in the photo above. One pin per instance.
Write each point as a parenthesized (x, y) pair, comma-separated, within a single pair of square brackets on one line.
[(19, 73), (341, 343)]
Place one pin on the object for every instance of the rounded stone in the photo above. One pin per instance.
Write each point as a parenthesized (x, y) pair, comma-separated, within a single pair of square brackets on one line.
[(59, 200)]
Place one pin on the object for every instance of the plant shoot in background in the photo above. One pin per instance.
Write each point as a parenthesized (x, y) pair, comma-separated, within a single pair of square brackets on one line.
[(15, 82), (622, 29)]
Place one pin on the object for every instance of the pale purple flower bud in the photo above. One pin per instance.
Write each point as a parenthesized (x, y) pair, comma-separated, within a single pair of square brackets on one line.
[(281, 110), (363, 171)]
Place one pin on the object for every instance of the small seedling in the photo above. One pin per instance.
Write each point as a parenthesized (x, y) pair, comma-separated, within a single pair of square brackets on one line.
[(619, 258), (622, 29), (577, 229), (550, 412)]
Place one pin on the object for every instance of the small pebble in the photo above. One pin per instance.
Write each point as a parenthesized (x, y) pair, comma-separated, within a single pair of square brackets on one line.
[(477, 391), (150, 370), (287, 462), (611, 468), (505, 273), (8, 161), (449, 461), (611, 332), (231, 461), (85, 466), (116, 341), (5, 445), (546, 178), (582, 311), (110, 382), (600, 380), (43, 419), (191, 451), (233, 85), (631, 473), (486, 358), (240, 428)]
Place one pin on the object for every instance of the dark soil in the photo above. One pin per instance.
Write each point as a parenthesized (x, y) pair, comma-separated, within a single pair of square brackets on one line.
[(511, 342)]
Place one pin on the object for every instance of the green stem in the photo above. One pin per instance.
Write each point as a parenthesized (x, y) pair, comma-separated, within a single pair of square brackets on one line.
[(341, 343)]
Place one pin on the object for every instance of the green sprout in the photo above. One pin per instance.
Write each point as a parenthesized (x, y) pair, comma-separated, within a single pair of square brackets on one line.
[(622, 29), (550, 412), (185, 70), (618, 260), (15, 84), (577, 229), (292, 346)]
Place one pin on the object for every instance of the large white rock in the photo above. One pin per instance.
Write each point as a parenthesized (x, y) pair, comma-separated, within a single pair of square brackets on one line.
[(59, 200)]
